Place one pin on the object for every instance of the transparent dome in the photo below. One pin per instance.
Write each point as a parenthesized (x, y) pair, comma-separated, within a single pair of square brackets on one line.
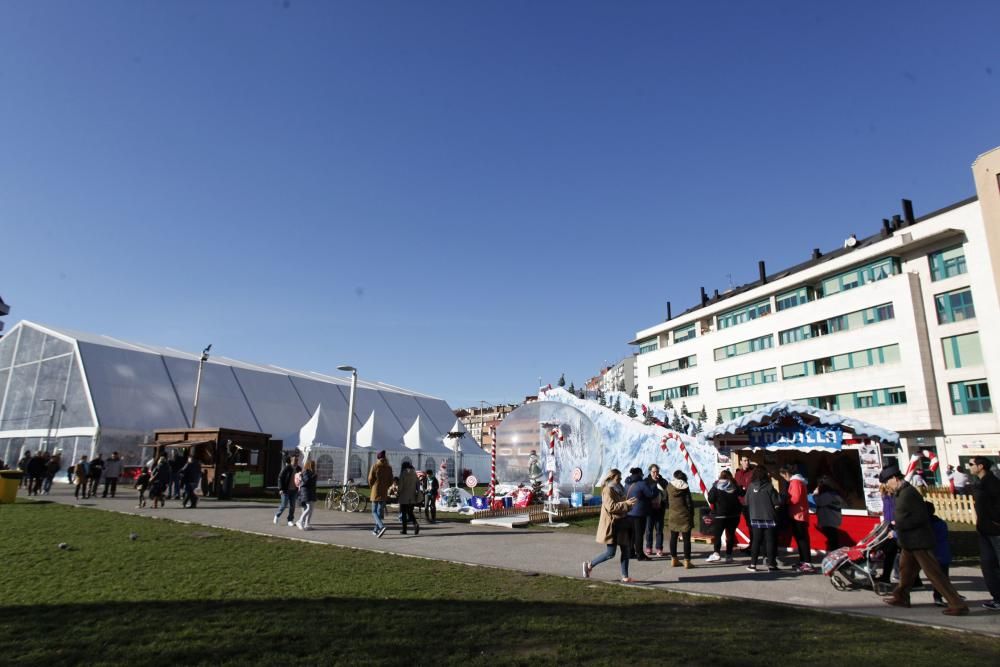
[(523, 440)]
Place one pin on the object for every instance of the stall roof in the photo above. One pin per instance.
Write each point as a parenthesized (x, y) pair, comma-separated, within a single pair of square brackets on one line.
[(765, 415)]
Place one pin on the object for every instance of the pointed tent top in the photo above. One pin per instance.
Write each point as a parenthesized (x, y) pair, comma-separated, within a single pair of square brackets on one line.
[(307, 434), (419, 437), (457, 429), (366, 434)]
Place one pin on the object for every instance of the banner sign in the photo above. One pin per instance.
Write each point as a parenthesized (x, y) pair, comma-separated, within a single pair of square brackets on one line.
[(809, 436)]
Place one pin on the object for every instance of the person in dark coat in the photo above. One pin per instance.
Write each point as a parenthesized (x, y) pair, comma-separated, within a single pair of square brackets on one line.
[(657, 509), (636, 487), (287, 489), (190, 477), (36, 473), (724, 497), (407, 494), (986, 495), (95, 472), (762, 505), (431, 486), (680, 517), (916, 543)]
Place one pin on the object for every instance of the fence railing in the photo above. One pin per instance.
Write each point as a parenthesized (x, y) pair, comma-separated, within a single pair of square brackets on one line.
[(960, 509), (536, 513)]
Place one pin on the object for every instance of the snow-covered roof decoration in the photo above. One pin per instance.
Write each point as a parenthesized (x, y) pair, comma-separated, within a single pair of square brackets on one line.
[(809, 414)]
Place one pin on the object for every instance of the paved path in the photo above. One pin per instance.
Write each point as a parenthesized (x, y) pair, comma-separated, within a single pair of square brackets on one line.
[(552, 551)]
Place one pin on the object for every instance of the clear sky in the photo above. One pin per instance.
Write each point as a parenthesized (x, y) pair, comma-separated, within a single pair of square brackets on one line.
[(460, 197)]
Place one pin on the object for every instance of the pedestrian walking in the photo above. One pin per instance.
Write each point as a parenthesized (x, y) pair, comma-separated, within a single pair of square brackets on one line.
[(51, 469), (680, 517), (95, 472), (142, 485), (307, 495), (724, 497), (636, 487), (430, 496), (159, 482), (190, 477), (112, 471), (798, 512), (287, 491), (916, 543), (408, 496), (379, 481), (613, 529), (986, 496), (81, 478)]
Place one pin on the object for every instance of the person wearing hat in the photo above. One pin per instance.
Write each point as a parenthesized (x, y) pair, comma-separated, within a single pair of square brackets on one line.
[(916, 542), (379, 480), (987, 498)]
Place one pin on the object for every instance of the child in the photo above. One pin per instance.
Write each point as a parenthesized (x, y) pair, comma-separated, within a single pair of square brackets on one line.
[(157, 486), (142, 483), (942, 550)]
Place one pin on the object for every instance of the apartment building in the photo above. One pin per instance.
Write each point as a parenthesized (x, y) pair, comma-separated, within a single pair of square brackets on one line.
[(892, 329), (621, 374), (478, 420)]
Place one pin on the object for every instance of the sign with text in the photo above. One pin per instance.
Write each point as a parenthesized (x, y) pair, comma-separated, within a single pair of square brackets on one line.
[(829, 438)]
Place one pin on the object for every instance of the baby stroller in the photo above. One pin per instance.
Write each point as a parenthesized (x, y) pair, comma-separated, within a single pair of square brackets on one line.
[(854, 567)]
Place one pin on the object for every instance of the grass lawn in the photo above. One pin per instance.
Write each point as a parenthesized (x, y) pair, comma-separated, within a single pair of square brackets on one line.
[(185, 594)]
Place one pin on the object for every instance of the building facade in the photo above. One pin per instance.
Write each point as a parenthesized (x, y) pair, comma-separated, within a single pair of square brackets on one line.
[(892, 329), (480, 419), (620, 377)]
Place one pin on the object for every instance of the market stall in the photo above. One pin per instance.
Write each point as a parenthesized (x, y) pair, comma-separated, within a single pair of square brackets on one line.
[(817, 443)]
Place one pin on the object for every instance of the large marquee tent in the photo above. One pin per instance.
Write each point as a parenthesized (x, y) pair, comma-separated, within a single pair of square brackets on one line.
[(83, 393)]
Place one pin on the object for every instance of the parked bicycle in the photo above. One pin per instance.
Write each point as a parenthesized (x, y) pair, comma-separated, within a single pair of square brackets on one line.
[(345, 498)]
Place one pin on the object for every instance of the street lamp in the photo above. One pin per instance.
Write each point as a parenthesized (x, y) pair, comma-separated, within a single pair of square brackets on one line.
[(350, 416), (456, 433), (197, 384), (52, 414)]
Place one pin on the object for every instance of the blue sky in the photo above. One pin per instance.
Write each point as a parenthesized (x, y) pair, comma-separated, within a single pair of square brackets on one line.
[(459, 197)]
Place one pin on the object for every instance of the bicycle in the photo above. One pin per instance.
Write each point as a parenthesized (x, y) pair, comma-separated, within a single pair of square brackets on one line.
[(345, 498)]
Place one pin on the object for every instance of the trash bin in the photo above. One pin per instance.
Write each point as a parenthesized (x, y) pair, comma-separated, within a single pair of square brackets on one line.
[(10, 480), (225, 486)]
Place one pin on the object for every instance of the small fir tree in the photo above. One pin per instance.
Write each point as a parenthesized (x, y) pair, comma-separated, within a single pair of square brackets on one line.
[(581, 395), (668, 404), (621, 385), (600, 398), (718, 417), (562, 380), (684, 409), (676, 424), (635, 392), (618, 404), (572, 389), (631, 410), (702, 416)]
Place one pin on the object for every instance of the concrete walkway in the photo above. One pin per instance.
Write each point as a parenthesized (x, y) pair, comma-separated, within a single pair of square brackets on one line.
[(556, 552)]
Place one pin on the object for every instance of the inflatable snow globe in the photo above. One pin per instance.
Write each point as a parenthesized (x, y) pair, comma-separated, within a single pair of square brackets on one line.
[(523, 440)]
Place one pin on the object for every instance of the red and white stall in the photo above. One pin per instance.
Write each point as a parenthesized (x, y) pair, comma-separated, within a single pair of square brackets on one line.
[(818, 443)]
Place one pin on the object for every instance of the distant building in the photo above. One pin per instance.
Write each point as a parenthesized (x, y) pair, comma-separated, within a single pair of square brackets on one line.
[(479, 419), (620, 377), (892, 328)]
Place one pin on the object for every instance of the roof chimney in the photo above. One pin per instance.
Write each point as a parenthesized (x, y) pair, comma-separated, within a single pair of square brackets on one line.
[(762, 272), (715, 294), (704, 297), (886, 228), (669, 316), (897, 222), (908, 212), (816, 253)]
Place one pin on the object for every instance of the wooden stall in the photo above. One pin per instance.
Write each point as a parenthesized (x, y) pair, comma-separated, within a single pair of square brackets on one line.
[(253, 460)]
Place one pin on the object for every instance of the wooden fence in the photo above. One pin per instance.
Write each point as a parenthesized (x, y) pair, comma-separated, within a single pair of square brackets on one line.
[(959, 509), (536, 513)]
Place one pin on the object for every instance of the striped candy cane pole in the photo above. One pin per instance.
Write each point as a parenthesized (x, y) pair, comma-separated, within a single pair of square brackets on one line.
[(933, 457), (663, 443), (552, 455), (493, 465), (694, 469), (911, 467)]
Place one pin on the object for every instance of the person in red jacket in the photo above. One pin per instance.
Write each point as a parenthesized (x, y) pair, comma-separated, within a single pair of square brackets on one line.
[(798, 512), (742, 477)]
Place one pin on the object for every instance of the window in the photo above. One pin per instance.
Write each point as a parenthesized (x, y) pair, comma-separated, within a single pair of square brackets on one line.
[(794, 298), (876, 356), (739, 411), (675, 365), (860, 400), (838, 323), (746, 379), (863, 275), (947, 263), (972, 397), (961, 351), (955, 306), (684, 333), (744, 347), (679, 392), (648, 346), (744, 314)]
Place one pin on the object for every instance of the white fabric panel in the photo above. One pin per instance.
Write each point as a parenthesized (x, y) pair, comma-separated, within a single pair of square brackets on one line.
[(131, 390), (221, 403), (388, 430), (274, 402), (407, 409), (332, 426)]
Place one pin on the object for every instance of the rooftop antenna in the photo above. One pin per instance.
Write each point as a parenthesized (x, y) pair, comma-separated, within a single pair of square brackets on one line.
[(729, 277)]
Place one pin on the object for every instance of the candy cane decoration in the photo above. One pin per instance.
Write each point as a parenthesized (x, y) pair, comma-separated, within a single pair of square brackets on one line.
[(663, 443), (694, 469), (915, 459), (552, 455), (493, 466)]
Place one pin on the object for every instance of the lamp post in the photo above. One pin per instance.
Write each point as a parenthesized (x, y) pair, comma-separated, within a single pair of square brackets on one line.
[(52, 414), (350, 417), (456, 434), (197, 384)]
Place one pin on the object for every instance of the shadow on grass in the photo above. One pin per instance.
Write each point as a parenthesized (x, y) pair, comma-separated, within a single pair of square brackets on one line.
[(391, 631)]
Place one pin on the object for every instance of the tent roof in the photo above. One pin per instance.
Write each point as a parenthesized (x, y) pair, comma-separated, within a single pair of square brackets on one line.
[(809, 414)]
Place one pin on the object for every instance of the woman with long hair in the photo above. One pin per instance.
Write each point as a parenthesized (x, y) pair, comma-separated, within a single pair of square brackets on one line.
[(614, 529), (763, 502), (307, 495), (724, 497)]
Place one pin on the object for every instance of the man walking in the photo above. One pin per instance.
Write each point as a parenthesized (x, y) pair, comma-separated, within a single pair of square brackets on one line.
[(95, 473), (798, 513), (916, 543), (190, 476), (379, 480), (431, 486), (112, 471), (287, 489), (986, 495)]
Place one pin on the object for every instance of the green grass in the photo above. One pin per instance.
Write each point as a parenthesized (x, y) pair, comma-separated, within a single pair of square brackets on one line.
[(186, 594)]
